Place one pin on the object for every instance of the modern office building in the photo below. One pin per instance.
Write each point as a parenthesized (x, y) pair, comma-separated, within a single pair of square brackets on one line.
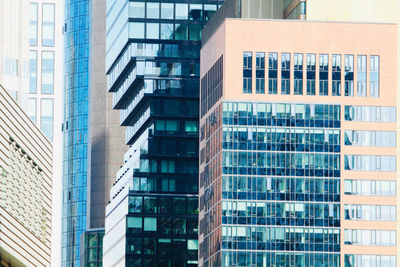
[(298, 142), (75, 128), (25, 188), (92, 248), (152, 63)]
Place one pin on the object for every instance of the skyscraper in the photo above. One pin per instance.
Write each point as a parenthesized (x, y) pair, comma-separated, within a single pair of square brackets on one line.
[(152, 63), (75, 128), (25, 188), (298, 142)]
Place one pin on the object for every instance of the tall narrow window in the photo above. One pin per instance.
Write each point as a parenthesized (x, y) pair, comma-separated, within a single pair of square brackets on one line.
[(285, 74), (349, 75), (298, 74), (33, 23), (374, 76), (323, 74), (48, 25), (47, 72), (46, 117), (273, 73), (247, 72), (260, 73), (310, 74), (32, 109), (336, 75), (32, 72), (362, 76)]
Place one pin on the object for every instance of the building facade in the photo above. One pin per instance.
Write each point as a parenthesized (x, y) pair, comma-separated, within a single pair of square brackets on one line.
[(92, 248), (298, 144), (25, 188), (75, 128), (152, 63)]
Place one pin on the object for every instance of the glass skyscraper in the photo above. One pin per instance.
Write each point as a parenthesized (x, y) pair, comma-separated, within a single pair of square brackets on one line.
[(152, 64), (76, 77)]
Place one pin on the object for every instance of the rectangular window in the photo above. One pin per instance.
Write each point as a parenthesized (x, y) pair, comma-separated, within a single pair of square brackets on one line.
[(298, 74), (48, 25), (33, 24), (349, 75), (273, 73), (47, 72), (136, 10), (181, 11), (167, 11), (152, 31), (32, 72), (374, 76), (136, 30), (153, 10), (32, 109), (260, 73), (247, 72), (336, 75), (285, 74), (362, 76), (310, 74), (46, 117), (323, 74)]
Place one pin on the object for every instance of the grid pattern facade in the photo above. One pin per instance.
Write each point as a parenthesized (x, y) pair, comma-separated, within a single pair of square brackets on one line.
[(76, 38), (152, 64)]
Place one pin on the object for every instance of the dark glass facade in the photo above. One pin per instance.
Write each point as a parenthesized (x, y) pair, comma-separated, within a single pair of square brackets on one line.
[(92, 248), (76, 60), (278, 174), (153, 67)]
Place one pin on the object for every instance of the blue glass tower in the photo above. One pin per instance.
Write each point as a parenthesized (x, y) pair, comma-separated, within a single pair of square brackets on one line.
[(76, 77)]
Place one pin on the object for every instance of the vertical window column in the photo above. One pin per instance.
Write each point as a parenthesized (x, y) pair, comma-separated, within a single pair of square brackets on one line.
[(336, 75), (362, 76), (285, 74), (349, 75), (47, 72), (32, 72), (298, 74), (32, 109), (260, 73), (48, 25), (273, 73), (33, 24), (310, 74), (46, 117), (247, 72), (323, 74), (374, 76)]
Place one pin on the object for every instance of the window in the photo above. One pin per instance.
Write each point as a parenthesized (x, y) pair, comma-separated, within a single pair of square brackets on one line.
[(32, 109), (247, 72), (32, 72), (136, 10), (150, 224), (152, 30), (336, 75), (195, 12), (362, 76), (153, 11), (298, 74), (310, 74), (181, 11), (46, 117), (33, 24), (181, 31), (136, 30), (190, 127), (167, 31), (323, 74), (285, 74), (374, 76), (349, 75), (47, 72), (260, 73), (48, 25), (167, 11), (273, 73)]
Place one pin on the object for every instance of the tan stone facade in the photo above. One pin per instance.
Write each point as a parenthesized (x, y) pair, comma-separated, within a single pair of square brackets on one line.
[(25, 188)]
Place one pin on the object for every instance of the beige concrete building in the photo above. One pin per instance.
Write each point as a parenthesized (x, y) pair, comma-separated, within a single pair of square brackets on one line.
[(298, 139), (25, 188)]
